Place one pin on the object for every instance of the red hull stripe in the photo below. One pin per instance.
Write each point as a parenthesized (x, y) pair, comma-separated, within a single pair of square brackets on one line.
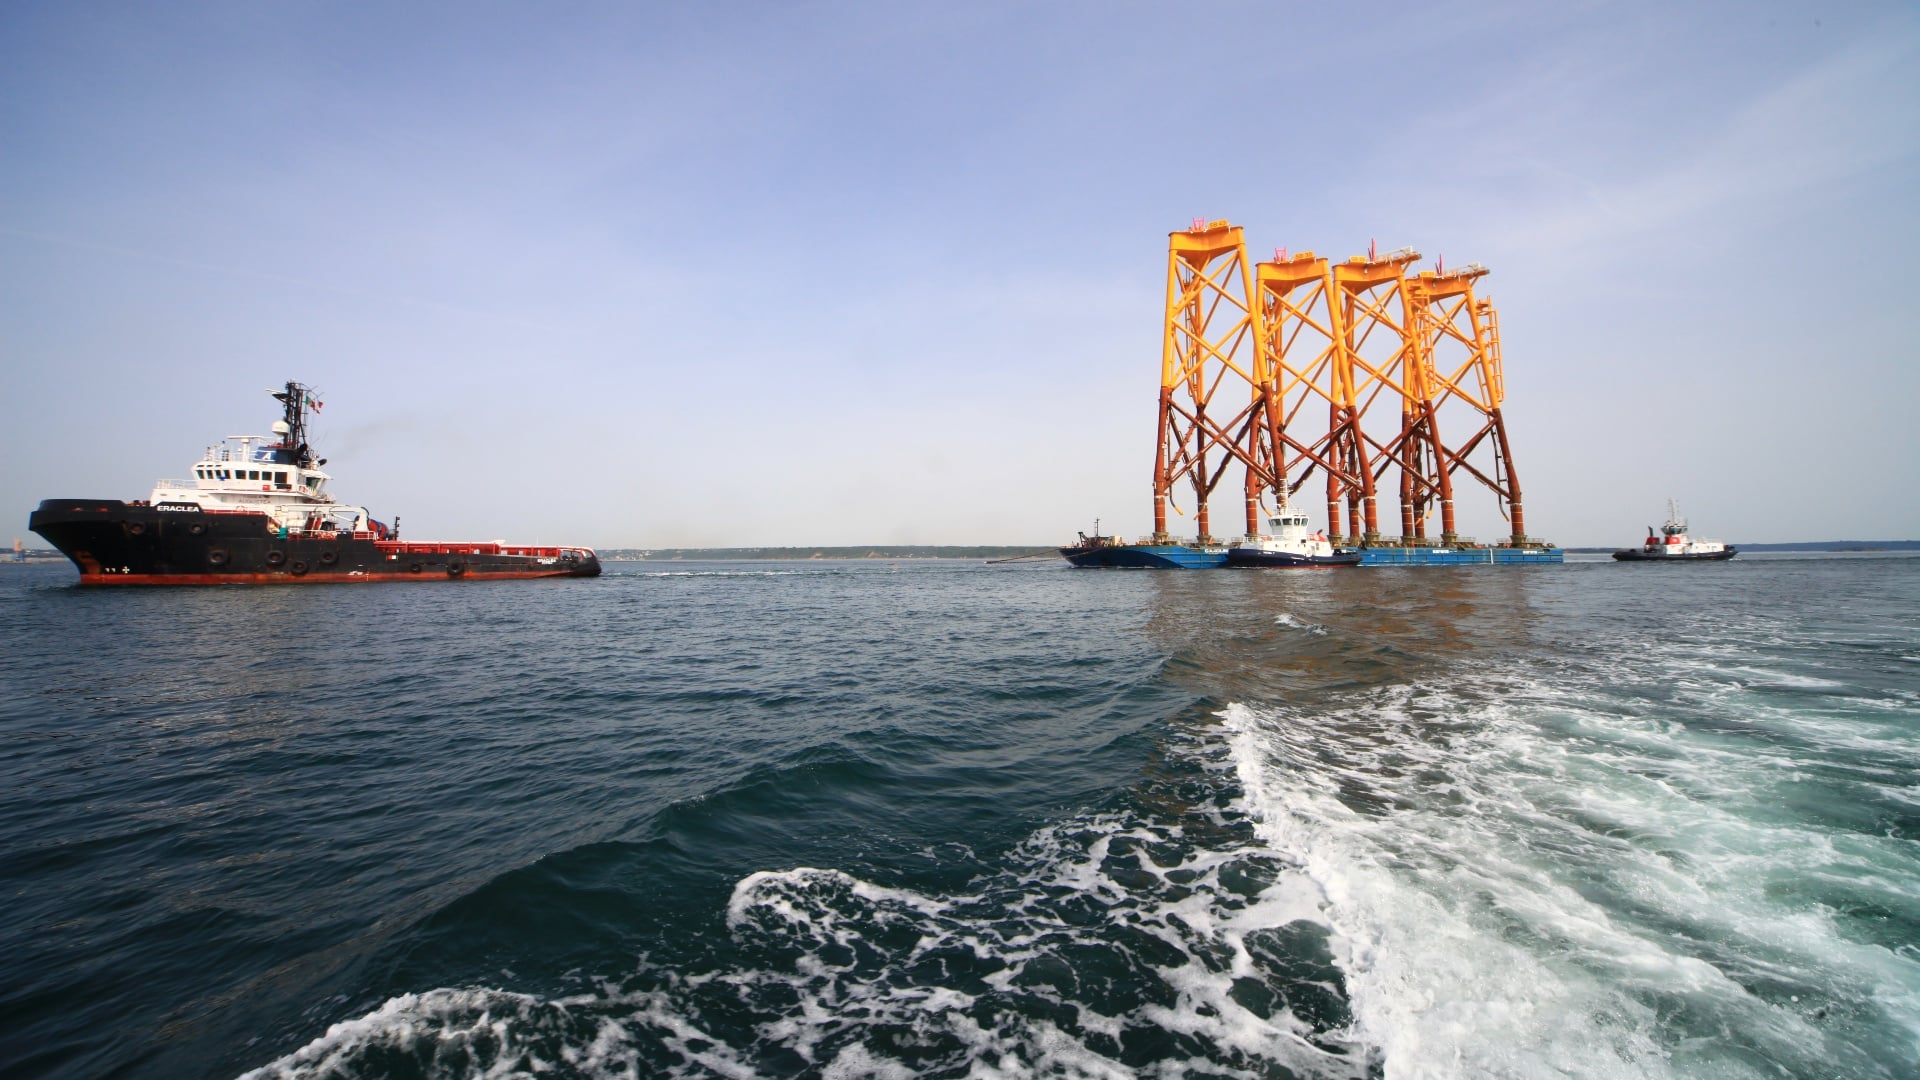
[(315, 578)]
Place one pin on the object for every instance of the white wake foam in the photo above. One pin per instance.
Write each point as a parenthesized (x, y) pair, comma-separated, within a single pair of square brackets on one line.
[(1294, 622), (1515, 877), (1101, 932), (1522, 886)]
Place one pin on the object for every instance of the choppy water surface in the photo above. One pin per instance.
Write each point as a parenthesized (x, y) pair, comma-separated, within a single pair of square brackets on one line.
[(925, 819)]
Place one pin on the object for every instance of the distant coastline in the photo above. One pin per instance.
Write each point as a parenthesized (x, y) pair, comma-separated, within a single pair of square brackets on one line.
[(935, 551), (994, 551), (881, 551)]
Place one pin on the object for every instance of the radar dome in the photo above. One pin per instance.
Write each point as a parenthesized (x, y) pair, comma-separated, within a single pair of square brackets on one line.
[(280, 427)]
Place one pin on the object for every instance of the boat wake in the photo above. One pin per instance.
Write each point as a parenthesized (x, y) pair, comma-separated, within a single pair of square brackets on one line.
[(1537, 878), (1489, 874), (1162, 939)]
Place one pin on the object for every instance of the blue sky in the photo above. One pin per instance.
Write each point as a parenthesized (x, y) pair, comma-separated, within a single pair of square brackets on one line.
[(811, 274)]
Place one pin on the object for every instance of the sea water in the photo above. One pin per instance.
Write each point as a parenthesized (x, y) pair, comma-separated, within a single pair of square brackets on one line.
[(948, 819)]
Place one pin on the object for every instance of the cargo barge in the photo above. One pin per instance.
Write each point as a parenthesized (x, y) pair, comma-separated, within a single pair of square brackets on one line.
[(257, 512), (1252, 355), (1545, 555), (1116, 553), (1283, 548)]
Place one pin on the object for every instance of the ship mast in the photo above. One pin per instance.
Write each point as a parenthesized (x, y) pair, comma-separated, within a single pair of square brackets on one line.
[(293, 401)]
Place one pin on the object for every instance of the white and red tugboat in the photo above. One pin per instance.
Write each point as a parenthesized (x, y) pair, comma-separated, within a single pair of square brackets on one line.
[(1672, 543), (1289, 542), (257, 511)]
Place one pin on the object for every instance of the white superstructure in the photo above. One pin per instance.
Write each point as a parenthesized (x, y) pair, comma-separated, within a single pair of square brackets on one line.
[(1672, 539), (264, 474), (1288, 532)]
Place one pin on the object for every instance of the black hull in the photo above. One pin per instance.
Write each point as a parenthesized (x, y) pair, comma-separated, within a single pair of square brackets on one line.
[(1146, 556), (118, 543), (1636, 555), (1282, 560)]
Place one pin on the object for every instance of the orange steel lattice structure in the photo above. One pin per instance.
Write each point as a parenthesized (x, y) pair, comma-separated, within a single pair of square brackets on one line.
[(1207, 347), (1298, 330), (1300, 333), (1373, 351), (1457, 337)]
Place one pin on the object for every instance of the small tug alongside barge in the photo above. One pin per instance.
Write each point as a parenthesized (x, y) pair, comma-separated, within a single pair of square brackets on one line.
[(1289, 543), (257, 512)]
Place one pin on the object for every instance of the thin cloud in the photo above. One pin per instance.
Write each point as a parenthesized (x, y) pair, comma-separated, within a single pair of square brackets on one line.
[(1844, 116)]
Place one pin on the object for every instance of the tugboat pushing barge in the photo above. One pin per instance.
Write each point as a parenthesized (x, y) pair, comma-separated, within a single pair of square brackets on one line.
[(257, 511), (1289, 543)]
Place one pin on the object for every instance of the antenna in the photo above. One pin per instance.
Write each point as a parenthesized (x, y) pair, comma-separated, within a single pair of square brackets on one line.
[(293, 441)]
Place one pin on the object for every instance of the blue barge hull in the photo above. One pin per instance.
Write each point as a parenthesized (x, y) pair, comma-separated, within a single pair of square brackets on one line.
[(1482, 556), (1192, 557), (1148, 556)]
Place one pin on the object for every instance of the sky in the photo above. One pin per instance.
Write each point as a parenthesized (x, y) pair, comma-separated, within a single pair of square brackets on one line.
[(736, 274)]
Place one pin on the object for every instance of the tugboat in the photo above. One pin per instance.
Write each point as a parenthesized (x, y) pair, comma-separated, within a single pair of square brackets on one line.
[(1291, 542), (257, 511), (1111, 552), (1671, 543)]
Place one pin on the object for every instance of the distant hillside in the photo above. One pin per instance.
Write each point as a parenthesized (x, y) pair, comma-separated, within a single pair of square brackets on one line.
[(878, 551)]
